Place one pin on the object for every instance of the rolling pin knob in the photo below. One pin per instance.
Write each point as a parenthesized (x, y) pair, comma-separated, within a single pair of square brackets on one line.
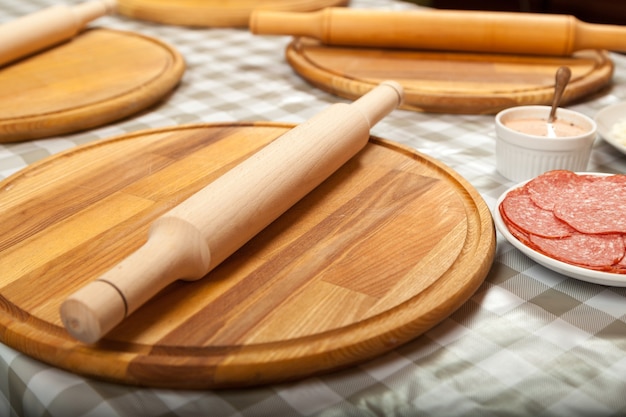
[(92, 311), (174, 250)]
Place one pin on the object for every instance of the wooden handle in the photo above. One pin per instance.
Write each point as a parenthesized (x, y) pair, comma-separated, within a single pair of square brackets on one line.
[(191, 239), (452, 30), (32, 33), (561, 79)]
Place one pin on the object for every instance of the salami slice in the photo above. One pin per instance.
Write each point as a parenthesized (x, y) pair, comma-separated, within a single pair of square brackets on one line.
[(620, 267), (589, 251), (520, 211), (554, 187), (599, 207), (518, 233), (619, 179)]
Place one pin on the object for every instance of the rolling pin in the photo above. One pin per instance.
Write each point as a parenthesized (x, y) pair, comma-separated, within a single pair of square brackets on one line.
[(48, 27), (198, 234), (444, 30)]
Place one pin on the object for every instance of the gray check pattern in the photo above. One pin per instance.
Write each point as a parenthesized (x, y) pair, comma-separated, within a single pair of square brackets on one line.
[(530, 342)]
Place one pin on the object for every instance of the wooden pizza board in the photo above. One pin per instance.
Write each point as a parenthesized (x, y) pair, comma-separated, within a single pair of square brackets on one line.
[(448, 82), (98, 77), (386, 248), (213, 13)]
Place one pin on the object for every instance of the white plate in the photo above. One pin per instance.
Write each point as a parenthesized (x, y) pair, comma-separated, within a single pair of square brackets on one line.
[(583, 274), (606, 118)]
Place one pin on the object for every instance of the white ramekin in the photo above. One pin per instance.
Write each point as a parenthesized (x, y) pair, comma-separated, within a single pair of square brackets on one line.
[(521, 156)]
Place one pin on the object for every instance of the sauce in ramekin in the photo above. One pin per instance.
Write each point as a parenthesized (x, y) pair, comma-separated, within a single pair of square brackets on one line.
[(539, 127)]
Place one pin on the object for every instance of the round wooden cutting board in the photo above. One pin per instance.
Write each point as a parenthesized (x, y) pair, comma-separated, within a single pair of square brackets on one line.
[(386, 248), (213, 13), (99, 76), (448, 82)]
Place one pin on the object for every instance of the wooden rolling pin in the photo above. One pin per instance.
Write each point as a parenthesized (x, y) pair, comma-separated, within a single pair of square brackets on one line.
[(446, 30), (191, 239), (48, 27)]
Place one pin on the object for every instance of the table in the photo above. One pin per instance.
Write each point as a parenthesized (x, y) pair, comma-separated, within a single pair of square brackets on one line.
[(528, 342)]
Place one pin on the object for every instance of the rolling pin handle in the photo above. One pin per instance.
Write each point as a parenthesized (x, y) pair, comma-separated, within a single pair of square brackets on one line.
[(279, 22), (48, 27), (380, 101), (175, 250)]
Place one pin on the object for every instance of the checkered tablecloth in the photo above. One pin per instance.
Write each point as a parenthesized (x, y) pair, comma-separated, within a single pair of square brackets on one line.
[(530, 342)]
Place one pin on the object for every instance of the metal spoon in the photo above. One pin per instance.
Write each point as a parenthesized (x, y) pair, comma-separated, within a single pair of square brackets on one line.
[(563, 74)]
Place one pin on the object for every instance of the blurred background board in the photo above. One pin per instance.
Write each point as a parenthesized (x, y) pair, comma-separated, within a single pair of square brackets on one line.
[(213, 13), (448, 82), (97, 77)]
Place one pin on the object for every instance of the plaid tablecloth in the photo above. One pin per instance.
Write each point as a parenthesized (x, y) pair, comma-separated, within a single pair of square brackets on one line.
[(529, 342)]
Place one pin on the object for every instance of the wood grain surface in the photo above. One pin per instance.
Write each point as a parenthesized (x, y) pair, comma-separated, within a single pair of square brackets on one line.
[(99, 76), (213, 13), (449, 82), (386, 248)]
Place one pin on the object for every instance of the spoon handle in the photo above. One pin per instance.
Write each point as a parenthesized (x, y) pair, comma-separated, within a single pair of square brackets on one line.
[(562, 77)]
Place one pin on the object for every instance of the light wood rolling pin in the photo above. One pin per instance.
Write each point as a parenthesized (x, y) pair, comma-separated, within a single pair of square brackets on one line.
[(191, 239), (446, 30), (34, 32)]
